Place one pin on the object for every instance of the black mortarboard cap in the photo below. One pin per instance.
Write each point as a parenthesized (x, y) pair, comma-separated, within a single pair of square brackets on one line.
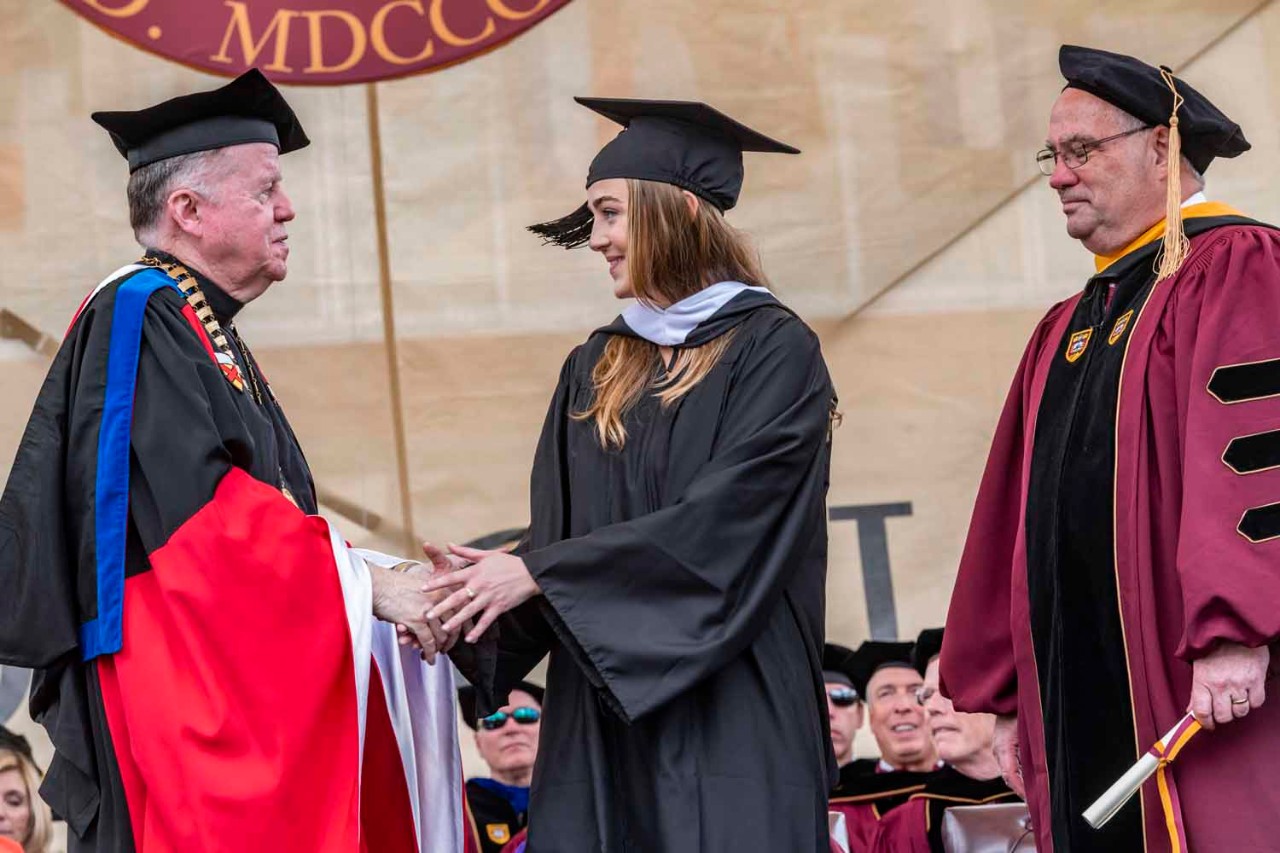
[(875, 655), (14, 742), (928, 646), (1138, 89), (837, 664), (248, 109), (685, 143), (467, 700)]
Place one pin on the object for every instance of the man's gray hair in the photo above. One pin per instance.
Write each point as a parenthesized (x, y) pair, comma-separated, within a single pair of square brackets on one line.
[(1128, 121), (151, 186)]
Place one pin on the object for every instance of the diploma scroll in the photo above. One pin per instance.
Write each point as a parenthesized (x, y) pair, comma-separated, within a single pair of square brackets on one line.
[(1164, 751)]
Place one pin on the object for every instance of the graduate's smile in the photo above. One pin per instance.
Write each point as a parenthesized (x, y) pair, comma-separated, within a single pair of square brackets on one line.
[(615, 264)]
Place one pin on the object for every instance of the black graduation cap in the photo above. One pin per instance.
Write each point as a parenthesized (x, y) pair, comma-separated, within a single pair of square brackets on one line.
[(248, 109), (928, 646), (1139, 89), (685, 143), (837, 664), (875, 655), (467, 700), (14, 742)]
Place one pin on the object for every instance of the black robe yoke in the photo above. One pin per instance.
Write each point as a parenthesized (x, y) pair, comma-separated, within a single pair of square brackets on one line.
[(683, 587)]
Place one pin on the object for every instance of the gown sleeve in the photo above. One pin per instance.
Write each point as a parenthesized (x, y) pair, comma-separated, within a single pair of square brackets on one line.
[(1229, 538), (650, 606)]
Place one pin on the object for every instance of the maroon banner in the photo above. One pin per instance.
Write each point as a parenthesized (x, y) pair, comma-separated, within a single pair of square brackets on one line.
[(325, 42)]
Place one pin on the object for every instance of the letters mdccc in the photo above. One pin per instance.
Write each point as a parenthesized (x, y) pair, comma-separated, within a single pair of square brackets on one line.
[(327, 42)]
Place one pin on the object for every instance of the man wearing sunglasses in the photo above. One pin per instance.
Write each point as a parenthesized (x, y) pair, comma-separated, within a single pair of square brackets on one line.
[(498, 806), (1120, 568), (844, 705)]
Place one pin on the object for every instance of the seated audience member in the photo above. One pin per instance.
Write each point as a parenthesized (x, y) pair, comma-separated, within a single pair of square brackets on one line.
[(508, 742), (884, 676), (24, 817), (970, 776), (517, 844), (844, 705)]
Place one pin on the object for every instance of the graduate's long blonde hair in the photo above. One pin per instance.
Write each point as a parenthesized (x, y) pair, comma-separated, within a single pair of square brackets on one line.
[(671, 254)]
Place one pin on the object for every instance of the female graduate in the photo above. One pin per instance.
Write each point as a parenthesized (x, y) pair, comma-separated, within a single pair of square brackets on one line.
[(676, 560)]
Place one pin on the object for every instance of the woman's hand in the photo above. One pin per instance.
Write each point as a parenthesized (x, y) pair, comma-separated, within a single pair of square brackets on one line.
[(495, 583)]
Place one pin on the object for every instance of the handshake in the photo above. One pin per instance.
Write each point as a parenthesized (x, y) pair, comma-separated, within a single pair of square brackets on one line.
[(459, 589)]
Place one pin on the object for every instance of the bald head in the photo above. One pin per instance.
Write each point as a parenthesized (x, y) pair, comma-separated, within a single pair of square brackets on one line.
[(1119, 192)]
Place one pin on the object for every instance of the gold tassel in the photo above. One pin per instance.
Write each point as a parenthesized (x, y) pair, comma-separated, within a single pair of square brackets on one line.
[(1176, 246)]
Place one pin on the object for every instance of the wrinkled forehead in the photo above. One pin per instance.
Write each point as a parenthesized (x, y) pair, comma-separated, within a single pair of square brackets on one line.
[(1076, 114)]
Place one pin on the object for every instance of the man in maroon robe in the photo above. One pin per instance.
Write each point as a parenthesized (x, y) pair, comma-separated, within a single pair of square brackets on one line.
[(1128, 522), (970, 777)]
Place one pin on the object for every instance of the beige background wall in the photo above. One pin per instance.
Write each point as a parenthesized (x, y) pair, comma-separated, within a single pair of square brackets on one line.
[(918, 121)]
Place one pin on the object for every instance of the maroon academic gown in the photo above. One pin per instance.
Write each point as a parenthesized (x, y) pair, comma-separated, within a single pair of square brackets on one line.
[(916, 825), (865, 794), (1196, 539)]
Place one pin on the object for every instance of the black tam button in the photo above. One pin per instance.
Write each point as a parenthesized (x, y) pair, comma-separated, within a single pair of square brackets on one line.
[(246, 110), (684, 143), (1138, 89)]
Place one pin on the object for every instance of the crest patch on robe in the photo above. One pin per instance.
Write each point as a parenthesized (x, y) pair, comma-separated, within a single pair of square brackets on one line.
[(1118, 330), (1078, 344), (499, 833), (230, 370)]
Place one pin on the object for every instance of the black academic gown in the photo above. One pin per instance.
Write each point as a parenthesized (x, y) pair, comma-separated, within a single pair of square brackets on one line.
[(493, 821), (683, 592), (189, 428)]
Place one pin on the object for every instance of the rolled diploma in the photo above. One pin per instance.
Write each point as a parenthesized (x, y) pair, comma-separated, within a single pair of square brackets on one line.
[(1105, 807)]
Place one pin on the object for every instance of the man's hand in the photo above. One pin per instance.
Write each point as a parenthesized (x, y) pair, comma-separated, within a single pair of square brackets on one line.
[(443, 561), (398, 597), (1005, 747), (1227, 683)]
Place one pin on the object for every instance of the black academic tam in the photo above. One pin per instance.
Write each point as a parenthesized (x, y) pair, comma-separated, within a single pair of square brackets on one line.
[(683, 582)]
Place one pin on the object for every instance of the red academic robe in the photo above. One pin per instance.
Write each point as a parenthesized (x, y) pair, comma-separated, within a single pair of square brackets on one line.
[(1196, 533), (207, 662)]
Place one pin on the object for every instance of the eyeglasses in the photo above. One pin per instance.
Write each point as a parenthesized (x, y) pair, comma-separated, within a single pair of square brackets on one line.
[(1077, 153), (924, 694), (522, 715), (842, 697)]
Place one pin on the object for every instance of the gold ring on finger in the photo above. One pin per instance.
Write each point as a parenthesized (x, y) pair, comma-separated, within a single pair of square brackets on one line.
[(1235, 701)]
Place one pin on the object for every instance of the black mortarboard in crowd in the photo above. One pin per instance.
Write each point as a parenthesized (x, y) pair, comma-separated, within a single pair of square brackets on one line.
[(685, 143), (14, 742), (928, 646), (1140, 90), (875, 655), (837, 665), (248, 109), (467, 700)]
